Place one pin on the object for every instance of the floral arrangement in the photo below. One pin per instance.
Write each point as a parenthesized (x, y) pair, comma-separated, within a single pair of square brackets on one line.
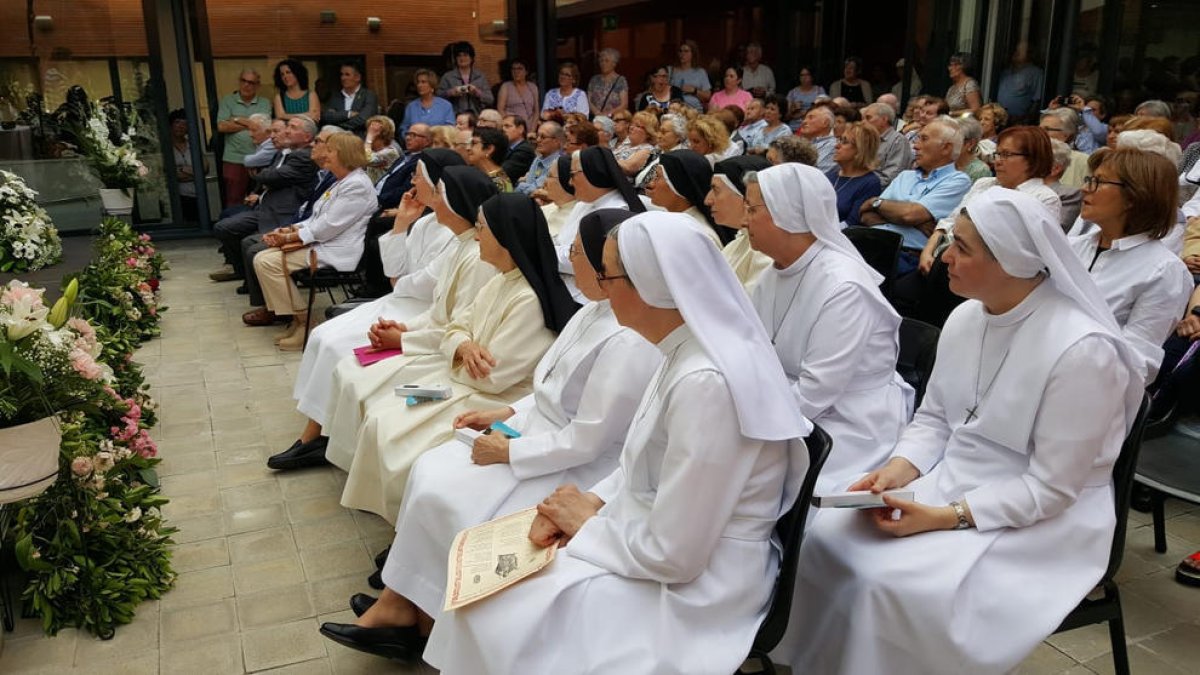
[(109, 149), (120, 287), (28, 240)]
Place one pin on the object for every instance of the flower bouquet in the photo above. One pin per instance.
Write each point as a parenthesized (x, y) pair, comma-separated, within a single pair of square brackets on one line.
[(119, 288), (28, 240), (109, 150)]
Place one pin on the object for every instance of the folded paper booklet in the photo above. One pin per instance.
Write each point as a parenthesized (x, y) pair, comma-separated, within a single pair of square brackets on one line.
[(488, 558), (857, 500), (368, 354)]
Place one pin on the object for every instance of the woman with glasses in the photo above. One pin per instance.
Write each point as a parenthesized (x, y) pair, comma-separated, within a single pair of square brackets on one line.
[(1130, 196), (638, 146), (519, 96), (854, 181), (567, 97), (963, 93), (660, 91)]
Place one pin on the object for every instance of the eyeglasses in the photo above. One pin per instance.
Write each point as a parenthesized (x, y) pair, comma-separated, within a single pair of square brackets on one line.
[(1005, 154), (842, 140), (413, 133), (601, 277), (751, 208), (1054, 130), (250, 82), (1092, 183)]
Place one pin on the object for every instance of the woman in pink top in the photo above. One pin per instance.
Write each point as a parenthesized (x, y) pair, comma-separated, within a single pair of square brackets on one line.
[(732, 93)]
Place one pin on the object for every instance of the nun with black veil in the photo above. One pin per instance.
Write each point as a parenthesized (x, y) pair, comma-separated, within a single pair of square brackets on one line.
[(486, 356), (681, 183), (586, 389)]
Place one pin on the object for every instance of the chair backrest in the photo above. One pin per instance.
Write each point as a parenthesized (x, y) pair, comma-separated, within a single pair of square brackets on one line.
[(880, 248), (1123, 473), (918, 351), (790, 529)]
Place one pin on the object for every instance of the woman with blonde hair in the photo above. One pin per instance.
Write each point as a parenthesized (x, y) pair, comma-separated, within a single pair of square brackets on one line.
[(708, 136), (380, 146), (443, 136), (854, 181), (638, 146), (331, 237)]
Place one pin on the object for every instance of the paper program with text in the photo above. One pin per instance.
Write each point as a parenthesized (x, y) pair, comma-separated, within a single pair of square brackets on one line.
[(488, 558)]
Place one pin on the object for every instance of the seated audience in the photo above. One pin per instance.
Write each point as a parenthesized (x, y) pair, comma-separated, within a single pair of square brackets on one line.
[(426, 108), (581, 135), (443, 136), (567, 96), (681, 183), (993, 119), (731, 93), (792, 149), (843, 115), (743, 459), (263, 132), (726, 200), (621, 120), (519, 96), (351, 106), (1006, 478), (608, 91), (487, 152), (750, 129), (672, 135), (489, 118), (332, 236), (803, 95), (850, 86), (895, 154), (465, 121), (548, 147), (519, 153), (835, 334), (398, 180), (381, 147), (853, 180), (757, 77), (660, 93), (292, 95), (1062, 125), (185, 172), (604, 130), (1070, 199), (639, 144), (968, 160), (818, 130), (708, 136), (465, 86), (771, 127)]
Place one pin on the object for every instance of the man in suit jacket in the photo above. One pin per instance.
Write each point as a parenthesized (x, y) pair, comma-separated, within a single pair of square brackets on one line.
[(398, 179), (285, 185), (352, 105), (520, 151)]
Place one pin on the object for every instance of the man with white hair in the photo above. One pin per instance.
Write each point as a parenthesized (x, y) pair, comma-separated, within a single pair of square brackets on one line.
[(895, 153), (490, 118), (919, 197), (548, 146), (757, 77), (1071, 198), (263, 132), (1063, 124), (1153, 108), (818, 129), (890, 101)]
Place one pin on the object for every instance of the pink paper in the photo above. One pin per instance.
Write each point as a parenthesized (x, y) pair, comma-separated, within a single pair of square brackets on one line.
[(368, 354)]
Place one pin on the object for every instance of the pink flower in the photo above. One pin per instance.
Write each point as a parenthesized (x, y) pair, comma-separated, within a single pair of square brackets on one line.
[(144, 237), (132, 262), (81, 466), (83, 363), (83, 328), (18, 292)]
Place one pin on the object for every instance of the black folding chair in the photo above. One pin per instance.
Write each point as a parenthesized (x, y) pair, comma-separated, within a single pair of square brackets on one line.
[(1107, 608), (880, 248), (326, 279), (918, 350), (1170, 467), (790, 529)]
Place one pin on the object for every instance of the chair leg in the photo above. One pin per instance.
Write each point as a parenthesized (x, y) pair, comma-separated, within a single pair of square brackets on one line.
[(6, 602), (1158, 510), (1116, 632), (312, 294)]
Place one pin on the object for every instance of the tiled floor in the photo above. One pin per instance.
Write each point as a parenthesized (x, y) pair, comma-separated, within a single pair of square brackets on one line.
[(264, 557)]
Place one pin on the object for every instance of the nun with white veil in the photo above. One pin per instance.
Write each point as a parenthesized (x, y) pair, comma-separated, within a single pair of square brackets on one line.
[(835, 334), (668, 563), (1010, 457)]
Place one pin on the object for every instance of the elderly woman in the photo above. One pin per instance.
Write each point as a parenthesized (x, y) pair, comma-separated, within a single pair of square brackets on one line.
[(773, 127), (443, 136), (672, 135), (993, 119), (963, 93), (655, 575), (854, 181), (567, 97), (465, 86), (486, 355), (1013, 497), (608, 91), (639, 144), (708, 136), (586, 390), (381, 146), (456, 275), (661, 92), (1062, 124), (519, 96), (726, 200), (731, 93), (559, 194), (332, 236), (681, 183), (1130, 196), (792, 149), (621, 120), (835, 334), (292, 95)]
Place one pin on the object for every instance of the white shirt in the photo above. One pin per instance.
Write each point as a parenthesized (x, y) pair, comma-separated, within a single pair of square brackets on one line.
[(348, 98), (415, 259), (1034, 187)]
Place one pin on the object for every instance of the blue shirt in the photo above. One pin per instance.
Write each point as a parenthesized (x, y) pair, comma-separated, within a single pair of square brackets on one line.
[(440, 111), (538, 171), (939, 193), (824, 147), (1020, 90)]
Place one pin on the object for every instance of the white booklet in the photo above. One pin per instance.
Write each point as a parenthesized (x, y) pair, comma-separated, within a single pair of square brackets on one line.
[(858, 500), (488, 558)]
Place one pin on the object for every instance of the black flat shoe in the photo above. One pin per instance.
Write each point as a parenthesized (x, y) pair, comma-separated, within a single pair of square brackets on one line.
[(242, 290), (360, 603), (401, 644), (376, 580), (300, 455), (381, 557)]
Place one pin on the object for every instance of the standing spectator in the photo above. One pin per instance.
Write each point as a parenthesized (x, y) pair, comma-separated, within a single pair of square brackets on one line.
[(520, 153), (233, 122), (1020, 89), (914, 85), (466, 87), (732, 92), (757, 77), (963, 93), (351, 106), (549, 145), (185, 175), (691, 79), (567, 97), (380, 144), (803, 95), (661, 91), (426, 108), (608, 91), (292, 95), (818, 130), (853, 180), (895, 154), (967, 162), (850, 87), (519, 96)]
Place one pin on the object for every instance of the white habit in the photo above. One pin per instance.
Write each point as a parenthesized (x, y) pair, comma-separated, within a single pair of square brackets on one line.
[(747, 263), (586, 389), (556, 215)]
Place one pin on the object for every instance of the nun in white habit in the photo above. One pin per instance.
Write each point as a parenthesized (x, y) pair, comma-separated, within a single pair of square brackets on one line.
[(561, 193), (573, 426), (1010, 457), (835, 334), (669, 563)]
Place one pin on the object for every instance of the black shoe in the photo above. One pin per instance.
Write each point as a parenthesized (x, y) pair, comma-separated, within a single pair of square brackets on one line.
[(376, 580), (381, 557), (401, 644), (360, 603), (242, 290), (300, 455)]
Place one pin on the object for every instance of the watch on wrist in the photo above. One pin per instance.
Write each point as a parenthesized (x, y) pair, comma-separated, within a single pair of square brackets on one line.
[(961, 514), (876, 204)]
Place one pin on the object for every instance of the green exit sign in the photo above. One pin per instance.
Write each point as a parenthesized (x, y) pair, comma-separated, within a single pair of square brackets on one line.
[(608, 22)]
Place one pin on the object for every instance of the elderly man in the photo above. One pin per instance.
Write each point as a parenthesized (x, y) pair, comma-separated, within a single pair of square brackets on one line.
[(918, 198), (757, 77), (818, 130), (605, 127), (233, 123), (462, 143), (1062, 124), (890, 101), (520, 153), (427, 108), (398, 179), (490, 118), (263, 132), (550, 140), (895, 154), (351, 106), (1071, 198)]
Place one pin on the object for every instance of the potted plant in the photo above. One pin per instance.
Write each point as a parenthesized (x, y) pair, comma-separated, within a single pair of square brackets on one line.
[(110, 153)]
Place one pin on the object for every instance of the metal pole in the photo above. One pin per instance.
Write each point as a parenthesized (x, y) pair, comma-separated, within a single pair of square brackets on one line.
[(187, 83)]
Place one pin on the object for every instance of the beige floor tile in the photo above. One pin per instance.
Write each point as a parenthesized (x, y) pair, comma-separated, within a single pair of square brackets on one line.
[(1179, 646), (314, 667), (140, 636), (336, 560), (200, 588), (268, 544), (200, 555), (276, 606), (1141, 661), (314, 508), (283, 644), (231, 475), (191, 483), (39, 654), (213, 655), (267, 575), (207, 502), (250, 454), (318, 533), (254, 518), (1045, 660), (333, 595), (185, 624), (347, 661), (181, 464), (1173, 599), (315, 482), (141, 663), (262, 493), (372, 526)]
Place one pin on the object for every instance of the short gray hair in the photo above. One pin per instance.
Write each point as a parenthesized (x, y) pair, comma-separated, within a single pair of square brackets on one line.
[(605, 123), (970, 128), (950, 133), (1061, 151), (1068, 117), (554, 129), (883, 110), (332, 129), (309, 126), (610, 53), (1150, 141), (1154, 108), (678, 124), (261, 119), (792, 148)]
